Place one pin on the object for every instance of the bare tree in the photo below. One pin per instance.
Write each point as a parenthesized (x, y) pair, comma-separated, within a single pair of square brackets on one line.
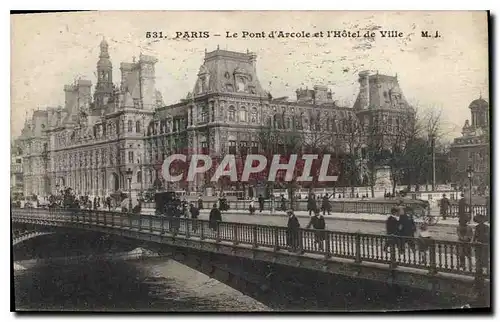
[(284, 142)]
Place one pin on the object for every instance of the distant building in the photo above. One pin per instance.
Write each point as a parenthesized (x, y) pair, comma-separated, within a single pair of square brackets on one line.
[(16, 171), (473, 148)]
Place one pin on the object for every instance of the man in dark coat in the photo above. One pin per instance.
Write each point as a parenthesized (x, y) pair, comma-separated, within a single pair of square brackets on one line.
[(311, 204), (292, 232), (318, 223), (325, 204), (391, 229), (444, 206), (200, 203), (261, 203), (108, 203), (482, 235), (215, 216), (406, 229), (195, 212), (463, 215)]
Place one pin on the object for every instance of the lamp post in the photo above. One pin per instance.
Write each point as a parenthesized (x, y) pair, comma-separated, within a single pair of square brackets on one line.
[(128, 173), (139, 160), (470, 172)]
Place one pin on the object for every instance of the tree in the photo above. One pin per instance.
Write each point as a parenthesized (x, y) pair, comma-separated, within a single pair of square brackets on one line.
[(274, 141), (408, 146), (348, 142)]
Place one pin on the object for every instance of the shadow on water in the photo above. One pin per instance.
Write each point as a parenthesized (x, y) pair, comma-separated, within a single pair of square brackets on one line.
[(120, 286)]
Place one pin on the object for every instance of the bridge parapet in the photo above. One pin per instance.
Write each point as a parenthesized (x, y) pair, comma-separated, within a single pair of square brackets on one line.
[(433, 256)]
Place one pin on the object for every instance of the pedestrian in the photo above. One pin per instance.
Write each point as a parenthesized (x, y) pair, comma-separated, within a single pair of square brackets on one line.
[(283, 203), (424, 240), (406, 229), (444, 206), (184, 207), (261, 203), (200, 203), (215, 217), (195, 212), (465, 236), (463, 215), (311, 204), (292, 232), (108, 203), (251, 207), (482, 236), (391, 229), (325, 204), (318, 223)]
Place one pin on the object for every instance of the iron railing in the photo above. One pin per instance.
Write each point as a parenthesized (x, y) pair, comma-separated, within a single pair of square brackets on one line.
[(435, 256)]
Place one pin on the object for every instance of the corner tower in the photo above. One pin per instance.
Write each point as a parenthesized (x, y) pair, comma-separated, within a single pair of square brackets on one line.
[(104, 87)]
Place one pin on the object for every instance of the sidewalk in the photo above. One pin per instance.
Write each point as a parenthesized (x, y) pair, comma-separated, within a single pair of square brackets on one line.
[(378, 218), (358, 217)]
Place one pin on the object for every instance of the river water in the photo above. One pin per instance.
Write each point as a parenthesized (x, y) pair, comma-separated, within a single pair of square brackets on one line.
[(151, 285), (162, 284)]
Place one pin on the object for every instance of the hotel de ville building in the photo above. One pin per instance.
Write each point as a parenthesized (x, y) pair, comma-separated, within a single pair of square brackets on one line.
[(104, 130)]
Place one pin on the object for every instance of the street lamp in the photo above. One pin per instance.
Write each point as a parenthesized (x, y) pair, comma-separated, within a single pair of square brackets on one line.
[(470, 172), (139, 160), (128, 173)]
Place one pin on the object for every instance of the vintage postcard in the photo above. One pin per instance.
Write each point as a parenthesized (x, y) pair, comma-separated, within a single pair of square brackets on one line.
[(250, 161)]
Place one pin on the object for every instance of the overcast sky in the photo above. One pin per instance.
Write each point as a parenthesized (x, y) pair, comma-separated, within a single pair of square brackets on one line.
[(50, 50)]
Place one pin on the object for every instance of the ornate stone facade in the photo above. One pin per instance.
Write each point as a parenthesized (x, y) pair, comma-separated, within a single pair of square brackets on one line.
[(228, 107), (90, 142), (473, 147)]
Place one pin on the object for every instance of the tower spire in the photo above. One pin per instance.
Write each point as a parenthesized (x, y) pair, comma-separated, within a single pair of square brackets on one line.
[(104, 86), (104, 48)]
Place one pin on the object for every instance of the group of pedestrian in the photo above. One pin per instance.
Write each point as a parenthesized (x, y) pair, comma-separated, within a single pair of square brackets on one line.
[(467, 235), (317, 222), (401, 228), (326, 206), (464, 214)]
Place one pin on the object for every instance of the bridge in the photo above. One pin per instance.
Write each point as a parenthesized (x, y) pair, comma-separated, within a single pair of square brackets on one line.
[(19, 238), (246, 256)]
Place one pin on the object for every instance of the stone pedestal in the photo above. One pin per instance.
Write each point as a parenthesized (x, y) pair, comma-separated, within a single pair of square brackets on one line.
[(383, 178)]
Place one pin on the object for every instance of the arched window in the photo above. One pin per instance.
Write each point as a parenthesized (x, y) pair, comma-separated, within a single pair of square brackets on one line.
[(130, 125), (231, 114), (138, 127), (139, 176)]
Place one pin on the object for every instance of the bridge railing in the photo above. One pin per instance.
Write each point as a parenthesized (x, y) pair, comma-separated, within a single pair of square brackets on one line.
[(435, 256)]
